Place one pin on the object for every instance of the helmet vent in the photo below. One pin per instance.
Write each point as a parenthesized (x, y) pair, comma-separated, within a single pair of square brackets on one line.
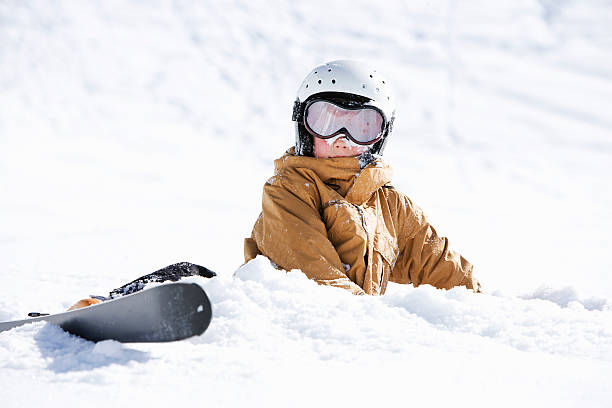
[(319, 81), (333, 80), (306, 85), (363, 86), (329, 70), (371, 76), (315, 72)]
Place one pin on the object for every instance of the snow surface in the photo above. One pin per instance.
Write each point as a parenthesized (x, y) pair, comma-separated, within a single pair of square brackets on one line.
[(138, 134)]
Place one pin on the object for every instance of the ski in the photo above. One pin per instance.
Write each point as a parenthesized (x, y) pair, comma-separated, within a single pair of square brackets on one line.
[(168, 312)]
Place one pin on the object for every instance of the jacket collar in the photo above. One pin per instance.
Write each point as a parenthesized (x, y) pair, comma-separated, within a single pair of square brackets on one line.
[(355, 184)]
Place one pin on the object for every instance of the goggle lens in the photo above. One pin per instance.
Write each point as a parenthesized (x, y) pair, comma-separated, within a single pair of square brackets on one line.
[(325, 119)]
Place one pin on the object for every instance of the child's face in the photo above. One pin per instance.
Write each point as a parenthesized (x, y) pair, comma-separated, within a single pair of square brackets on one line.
[(339, 146)]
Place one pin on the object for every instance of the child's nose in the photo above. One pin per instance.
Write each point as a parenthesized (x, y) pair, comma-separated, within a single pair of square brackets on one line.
[(341, 142)]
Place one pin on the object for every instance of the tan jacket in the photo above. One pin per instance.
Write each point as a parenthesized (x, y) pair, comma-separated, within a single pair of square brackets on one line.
[(348, 227)]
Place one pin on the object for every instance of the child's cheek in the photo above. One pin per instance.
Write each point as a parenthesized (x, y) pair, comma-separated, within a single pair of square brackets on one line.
[(321, 147), (358, 149)]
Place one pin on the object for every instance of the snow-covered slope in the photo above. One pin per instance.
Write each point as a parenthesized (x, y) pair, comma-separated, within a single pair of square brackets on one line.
[(138, 134), (278, 339)]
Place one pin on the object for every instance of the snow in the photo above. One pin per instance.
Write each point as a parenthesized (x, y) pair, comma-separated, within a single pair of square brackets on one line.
[(138, 134), (276, 335)]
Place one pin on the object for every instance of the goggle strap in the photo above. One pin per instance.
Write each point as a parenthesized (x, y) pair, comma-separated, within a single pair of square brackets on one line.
[(298, 108)]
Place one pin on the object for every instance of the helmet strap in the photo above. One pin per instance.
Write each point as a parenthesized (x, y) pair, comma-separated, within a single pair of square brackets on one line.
[(304, 141), (297, 110)]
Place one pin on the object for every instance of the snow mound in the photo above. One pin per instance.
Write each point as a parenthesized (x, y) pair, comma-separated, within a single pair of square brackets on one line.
[(272, 307), (568, 297)]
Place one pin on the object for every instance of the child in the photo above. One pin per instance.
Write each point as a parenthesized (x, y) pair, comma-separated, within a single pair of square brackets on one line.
[(330, 209)]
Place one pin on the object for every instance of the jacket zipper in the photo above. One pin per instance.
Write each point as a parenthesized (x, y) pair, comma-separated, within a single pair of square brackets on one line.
[(364, 225)]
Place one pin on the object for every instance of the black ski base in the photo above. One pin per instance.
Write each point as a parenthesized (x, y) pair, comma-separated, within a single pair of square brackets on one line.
[(168, 312)]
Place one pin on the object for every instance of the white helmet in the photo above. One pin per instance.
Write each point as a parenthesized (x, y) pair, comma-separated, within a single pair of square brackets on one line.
[(351, 83)]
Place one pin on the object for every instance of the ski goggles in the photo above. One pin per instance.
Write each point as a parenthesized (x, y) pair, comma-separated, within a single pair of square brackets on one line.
[(362, 125)]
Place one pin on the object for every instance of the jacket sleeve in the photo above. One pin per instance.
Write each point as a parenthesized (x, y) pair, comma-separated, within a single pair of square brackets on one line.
[(291, 233), (425, 257)]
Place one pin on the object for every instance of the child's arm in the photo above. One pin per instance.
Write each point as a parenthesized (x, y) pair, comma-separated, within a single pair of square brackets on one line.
[(291, 234), (426, 257)]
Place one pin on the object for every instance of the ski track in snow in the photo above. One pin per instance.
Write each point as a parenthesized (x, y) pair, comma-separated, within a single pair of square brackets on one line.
[(135, 135)]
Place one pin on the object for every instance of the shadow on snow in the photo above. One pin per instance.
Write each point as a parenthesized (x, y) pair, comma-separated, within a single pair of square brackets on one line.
[(67, 353)]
